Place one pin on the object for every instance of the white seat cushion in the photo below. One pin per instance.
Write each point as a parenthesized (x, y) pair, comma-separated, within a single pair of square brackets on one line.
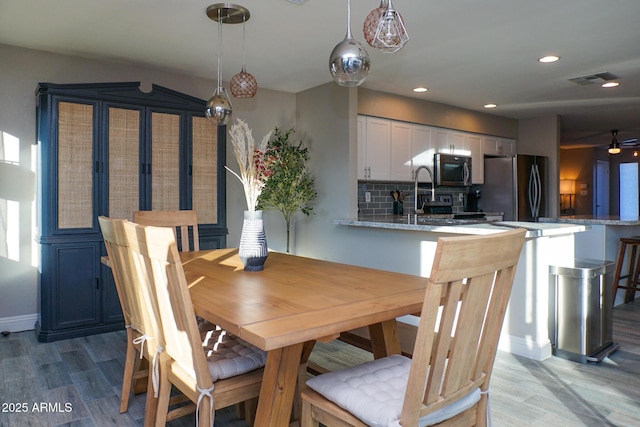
[(374, 392), (228, 355)]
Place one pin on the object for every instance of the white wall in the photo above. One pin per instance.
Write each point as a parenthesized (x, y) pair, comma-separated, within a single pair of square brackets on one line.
[(22, 70)]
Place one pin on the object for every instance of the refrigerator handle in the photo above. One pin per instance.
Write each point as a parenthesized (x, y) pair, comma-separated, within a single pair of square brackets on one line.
[(532, 191), (539, 191)]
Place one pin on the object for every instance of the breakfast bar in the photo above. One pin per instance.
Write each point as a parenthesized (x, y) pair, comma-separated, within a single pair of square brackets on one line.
[(526, 327), (602, 239)]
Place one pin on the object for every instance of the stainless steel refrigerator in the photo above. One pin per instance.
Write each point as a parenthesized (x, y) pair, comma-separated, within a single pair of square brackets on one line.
[(516, 186)]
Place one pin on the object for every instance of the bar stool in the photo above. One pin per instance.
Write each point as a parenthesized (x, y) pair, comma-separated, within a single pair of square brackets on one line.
[(633, 282)]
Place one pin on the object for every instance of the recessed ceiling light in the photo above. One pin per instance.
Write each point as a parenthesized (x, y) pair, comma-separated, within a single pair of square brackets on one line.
[(490, 105), (549, 58), (610, 84), (420, 89)]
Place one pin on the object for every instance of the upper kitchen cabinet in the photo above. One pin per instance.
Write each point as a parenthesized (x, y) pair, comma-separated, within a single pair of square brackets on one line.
[(110, 149), (496, 146), (374, 149), (401, 151), (463, 144)]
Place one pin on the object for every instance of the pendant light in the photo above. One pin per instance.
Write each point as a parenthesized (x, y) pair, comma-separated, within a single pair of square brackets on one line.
[(243, 84), (219, 107), (384, 28), (349, 61), (614, 147)]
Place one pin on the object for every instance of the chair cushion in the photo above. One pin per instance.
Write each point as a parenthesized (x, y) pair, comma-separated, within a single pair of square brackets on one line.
[(374, 392), (228, 355)]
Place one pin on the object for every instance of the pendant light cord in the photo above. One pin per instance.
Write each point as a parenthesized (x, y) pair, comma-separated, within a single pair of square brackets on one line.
[(349, 19), (219, 48), (243, 39)]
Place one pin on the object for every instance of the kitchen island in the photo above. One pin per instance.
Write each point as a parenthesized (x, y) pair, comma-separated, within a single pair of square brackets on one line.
[(526, 327), (602, 239)]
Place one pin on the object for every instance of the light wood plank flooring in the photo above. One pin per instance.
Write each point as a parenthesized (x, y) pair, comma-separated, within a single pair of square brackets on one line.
[(86, 373)]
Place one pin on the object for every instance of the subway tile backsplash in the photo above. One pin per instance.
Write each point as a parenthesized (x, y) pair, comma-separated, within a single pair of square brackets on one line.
[(382, 202)]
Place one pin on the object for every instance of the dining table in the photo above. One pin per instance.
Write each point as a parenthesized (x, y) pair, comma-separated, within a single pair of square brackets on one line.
[(293, 303)]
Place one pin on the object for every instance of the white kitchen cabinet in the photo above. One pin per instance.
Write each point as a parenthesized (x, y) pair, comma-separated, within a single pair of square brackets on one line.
[(374, 149), (496, 146), (401, 154), (422, 148), (474, 144)]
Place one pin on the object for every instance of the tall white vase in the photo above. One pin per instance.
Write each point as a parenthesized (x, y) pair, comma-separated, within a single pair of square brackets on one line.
[(253, 242)]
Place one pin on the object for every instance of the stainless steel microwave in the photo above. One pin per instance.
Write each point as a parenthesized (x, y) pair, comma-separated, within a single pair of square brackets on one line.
[(452, 170)]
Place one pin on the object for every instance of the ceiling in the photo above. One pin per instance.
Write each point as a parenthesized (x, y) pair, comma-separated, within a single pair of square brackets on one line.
[(467, 52)]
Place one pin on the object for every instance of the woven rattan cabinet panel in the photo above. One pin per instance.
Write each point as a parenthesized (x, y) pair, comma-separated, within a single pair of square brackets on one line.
[(110, 149)]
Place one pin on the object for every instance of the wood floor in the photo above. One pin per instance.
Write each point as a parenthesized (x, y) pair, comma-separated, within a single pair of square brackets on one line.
[(77, 383)]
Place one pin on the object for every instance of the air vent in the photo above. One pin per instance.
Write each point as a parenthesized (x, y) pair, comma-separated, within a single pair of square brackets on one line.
[(594, 78), (297, 1)]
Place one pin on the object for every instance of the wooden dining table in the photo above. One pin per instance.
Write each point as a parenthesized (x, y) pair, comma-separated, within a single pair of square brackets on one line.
[(291, 304)]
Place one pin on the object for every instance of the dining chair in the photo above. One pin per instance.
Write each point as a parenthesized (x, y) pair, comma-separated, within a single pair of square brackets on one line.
[(135, 300), (181, 221), (446, 382), (234, 366)]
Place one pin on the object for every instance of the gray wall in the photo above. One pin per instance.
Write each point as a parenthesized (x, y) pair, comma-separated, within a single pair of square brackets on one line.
[(22, 70)]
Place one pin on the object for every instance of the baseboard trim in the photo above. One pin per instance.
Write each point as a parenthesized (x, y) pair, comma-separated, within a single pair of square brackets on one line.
[(524, 347), (18, 323)]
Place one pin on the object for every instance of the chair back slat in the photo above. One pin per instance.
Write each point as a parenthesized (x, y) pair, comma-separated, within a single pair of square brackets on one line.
[(463, 310), (181, 221), (159, 258)]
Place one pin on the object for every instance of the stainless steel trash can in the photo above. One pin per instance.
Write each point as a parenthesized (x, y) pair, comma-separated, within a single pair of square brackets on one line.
[(580, 308)]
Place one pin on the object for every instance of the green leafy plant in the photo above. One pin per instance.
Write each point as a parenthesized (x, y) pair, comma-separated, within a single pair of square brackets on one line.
[(290, 188)]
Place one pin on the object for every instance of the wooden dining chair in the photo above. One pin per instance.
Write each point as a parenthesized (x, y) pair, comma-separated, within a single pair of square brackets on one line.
[(181, 221), (446, 383), (135, 300), (233, 365)]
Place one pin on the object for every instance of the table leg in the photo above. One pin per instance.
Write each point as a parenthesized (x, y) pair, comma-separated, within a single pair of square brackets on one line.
[(278, 386), (384, 339)]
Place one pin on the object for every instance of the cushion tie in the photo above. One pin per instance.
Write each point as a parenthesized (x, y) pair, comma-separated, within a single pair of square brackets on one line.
[(141, 340), (203, 393), (488, 414), (155, 371)]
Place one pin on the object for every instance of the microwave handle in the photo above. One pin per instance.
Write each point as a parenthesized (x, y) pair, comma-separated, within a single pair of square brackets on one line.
[(466, 177)]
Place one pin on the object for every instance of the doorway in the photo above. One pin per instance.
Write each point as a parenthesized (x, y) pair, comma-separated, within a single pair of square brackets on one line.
[(601, 191)]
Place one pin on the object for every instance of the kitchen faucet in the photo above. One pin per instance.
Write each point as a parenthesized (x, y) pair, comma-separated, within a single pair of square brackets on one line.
[(415, 188)]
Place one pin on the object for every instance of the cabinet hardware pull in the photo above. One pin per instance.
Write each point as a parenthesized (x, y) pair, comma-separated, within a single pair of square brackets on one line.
[(97, 283), (142, 169), (149, 168)]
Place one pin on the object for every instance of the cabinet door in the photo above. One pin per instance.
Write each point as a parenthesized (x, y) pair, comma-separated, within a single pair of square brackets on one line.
[(508, 146), (362, 147), (204, 170), (422, 148), (491, 145), (475, 146), (163, 169), (458, 144), (378, 148), (123, 137), (401, 137), (75, 289), (76, 208), (441, 141)]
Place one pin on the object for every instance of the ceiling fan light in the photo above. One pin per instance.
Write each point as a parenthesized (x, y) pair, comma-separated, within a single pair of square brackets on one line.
[(614, 147)]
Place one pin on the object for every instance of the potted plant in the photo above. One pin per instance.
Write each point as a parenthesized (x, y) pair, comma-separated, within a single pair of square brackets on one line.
[(290, 187), (255, 168)]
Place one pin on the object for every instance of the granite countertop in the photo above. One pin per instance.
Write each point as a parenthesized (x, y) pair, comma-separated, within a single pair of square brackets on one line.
[(444, 224), (591, 220)]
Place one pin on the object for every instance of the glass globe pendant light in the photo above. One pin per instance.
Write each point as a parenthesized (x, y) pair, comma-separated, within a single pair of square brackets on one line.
[(219, 108), (384, 28), (349, 62), (243, 84)]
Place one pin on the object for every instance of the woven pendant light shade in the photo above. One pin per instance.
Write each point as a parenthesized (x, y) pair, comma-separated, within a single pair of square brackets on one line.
[(243, 85), (384, 28)]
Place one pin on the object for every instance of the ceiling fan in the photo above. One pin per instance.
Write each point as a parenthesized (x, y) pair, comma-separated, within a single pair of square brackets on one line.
[(616, 147)]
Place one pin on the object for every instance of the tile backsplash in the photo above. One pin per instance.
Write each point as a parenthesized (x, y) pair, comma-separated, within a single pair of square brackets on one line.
[(382, 202)]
